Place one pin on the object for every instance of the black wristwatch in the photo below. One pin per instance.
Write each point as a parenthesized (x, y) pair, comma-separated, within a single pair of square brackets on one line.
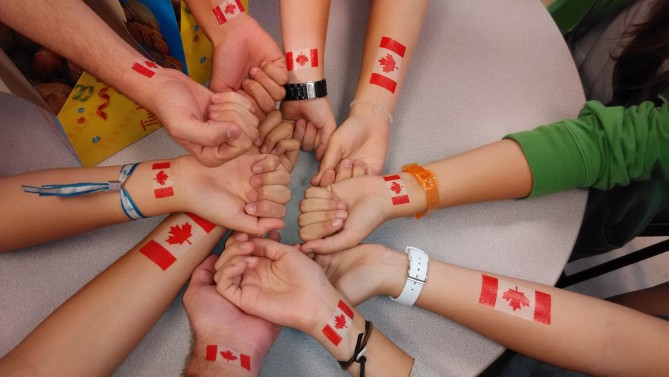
[(307, 90)]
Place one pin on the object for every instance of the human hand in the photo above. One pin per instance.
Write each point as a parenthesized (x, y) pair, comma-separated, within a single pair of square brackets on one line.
[(276, 282), (181, 104), (315, 122), (362, 138), (365, 271), (246, 57), (353, 208), (216, 321), (248, 193)]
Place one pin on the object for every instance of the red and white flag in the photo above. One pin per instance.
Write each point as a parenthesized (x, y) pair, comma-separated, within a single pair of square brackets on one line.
[(176, 240), (146, 67), (341, 321), (301, 59), (397, 189), (162, 181), (515, 300), (227, 10), (216, 353), (388, 63)]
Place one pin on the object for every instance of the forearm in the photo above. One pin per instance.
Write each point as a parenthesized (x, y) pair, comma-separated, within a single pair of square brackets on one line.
[(400, 24), (205, 12), (109, 316), (53, 217), (556, 326), (74, 31), (304, 26)]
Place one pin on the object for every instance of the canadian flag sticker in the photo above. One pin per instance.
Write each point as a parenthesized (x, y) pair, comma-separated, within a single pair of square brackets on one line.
[(398, 192), (222, 353), (146, 67), (162, 182), (515, 300), (339, 324), (227, 10), (388, 63), (302, 59), (176, 240)]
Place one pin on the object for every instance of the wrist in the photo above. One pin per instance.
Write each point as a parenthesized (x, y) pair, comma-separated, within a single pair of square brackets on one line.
[(371, 112), (227, 353), (396, 265), (415, 201), (220, 34), (151, 197)]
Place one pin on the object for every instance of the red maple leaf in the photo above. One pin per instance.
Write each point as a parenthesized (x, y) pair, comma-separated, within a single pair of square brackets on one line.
[(301, 59), (230, 8), (516, 298), (340, 321), (228, 355), (180, 234), (161, 177), (388, 63), (395, 187)]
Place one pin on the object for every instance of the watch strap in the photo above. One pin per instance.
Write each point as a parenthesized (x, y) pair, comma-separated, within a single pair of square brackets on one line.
[(416, 276), (306, 90)]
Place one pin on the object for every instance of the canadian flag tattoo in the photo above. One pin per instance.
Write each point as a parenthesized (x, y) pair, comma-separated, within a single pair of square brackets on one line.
[(227, 10), (162, 182), (398, 192), (222, 353), (302, 59), (176, 240), (146, 67), (519, 301), (388, 63), (339, 324)]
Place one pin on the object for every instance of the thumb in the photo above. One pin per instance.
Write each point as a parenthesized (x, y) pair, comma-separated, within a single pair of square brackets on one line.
[(343, 240), (330, 160), (257, 226), (209, 134), (204, 273)]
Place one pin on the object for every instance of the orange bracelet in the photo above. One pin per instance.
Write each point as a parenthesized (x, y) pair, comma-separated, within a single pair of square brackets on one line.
[(430, 184)]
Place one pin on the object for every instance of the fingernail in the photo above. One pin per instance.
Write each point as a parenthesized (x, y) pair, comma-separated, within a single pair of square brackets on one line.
[(337, 222), (255, 181), (249, 259), (232, 133), (346, 163), (253, 195), (307, 251), (214, 114), (341, 214), (253, 71), (257, 141), (257, 169), (341, 205), (251, 208), (263, 149)]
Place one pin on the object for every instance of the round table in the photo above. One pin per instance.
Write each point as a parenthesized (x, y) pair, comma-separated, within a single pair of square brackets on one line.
[(481, 70)]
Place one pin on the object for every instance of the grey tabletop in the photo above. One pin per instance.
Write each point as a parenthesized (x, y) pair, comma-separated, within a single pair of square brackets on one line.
[(482, 69)]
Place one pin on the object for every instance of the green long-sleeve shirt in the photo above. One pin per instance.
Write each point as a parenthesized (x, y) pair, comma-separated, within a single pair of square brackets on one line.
[(605, 147)]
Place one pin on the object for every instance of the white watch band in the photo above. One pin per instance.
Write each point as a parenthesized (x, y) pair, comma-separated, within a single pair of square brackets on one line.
[(416, 277)]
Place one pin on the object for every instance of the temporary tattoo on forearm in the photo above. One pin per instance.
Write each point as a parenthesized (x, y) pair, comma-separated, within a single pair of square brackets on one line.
[(227, 10), (146, 67), (339, 324), (515, 300), (398, 192), (162, 180), (229, 355), (388, 64), (302, 59), (174, 241)]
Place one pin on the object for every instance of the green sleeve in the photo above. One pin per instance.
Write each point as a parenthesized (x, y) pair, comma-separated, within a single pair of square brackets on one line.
[(605, 147)]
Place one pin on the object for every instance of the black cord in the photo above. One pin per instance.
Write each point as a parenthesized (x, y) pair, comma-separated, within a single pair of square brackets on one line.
[(360, 345)]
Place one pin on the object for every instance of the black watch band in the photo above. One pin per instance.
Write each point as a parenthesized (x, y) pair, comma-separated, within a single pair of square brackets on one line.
[(307, 90)]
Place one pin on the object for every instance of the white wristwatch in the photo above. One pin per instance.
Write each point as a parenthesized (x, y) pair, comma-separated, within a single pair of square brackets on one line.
[(416, 277)]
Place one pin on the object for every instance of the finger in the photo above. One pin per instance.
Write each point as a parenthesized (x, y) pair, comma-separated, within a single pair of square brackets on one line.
[(309, 218), (277, 72), (254, 225), (311, 205), (309, 137), (290, 150), (328, 178), (268, 163), (275, 90), (359, 168), (330, 160), (234, 249), (256, 90), (270, 249), (266, 208), (274, 236), (319, 230), (345, 239), (344, 170), (255, 109), (231, 97), (204, 273), (281, 132), (324, 138), (236, 236), (314, 192), (278, 177), (275, 193), (300, 129), (272, 120), (215, 156)]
